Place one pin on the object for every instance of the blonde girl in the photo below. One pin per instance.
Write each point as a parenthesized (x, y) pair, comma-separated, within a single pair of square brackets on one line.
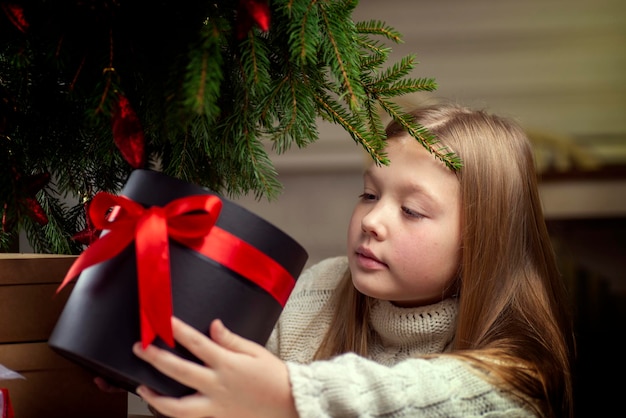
[(447, 303)]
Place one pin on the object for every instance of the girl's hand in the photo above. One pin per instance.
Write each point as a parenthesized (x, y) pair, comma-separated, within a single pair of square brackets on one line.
[(240, 378)]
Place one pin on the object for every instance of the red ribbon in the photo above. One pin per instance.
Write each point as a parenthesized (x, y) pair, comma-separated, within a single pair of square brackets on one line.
[(190, 221), (6, 409)]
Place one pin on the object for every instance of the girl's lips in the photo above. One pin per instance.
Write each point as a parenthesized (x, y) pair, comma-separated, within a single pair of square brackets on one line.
[(367, 260)]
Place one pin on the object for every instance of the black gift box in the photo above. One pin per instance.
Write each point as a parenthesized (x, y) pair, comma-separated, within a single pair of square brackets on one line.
[(100, 321)]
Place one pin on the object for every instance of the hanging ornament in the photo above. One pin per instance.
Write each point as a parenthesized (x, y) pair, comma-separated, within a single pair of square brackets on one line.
[(15, 14), (250, 12), (30, 186), (128, 133), (7, 222), (26, 189), (88, 235)]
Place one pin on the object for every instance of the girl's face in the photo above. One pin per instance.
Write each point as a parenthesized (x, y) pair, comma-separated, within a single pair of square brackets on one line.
[(404, 238)]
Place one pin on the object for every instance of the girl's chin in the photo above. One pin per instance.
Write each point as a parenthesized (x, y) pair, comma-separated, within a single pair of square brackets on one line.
[(365, 288)]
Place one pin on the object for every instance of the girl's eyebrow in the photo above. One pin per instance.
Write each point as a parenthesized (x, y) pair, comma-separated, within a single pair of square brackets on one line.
[(415, 188), (411, 187)]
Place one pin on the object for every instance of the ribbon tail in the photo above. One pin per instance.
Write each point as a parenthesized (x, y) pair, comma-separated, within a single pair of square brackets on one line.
[(104, 248), (153, 274)]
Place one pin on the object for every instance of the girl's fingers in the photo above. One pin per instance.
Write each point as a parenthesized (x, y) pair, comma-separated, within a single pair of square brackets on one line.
[(231, 341), (196, 342), (211, 353), (187, 372)]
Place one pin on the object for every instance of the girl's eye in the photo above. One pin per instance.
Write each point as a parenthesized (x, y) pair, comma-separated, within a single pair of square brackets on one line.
[(411, 213), (367, 196)]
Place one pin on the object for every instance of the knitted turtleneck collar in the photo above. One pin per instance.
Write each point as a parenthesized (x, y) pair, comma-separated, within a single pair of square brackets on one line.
[(412, 331)]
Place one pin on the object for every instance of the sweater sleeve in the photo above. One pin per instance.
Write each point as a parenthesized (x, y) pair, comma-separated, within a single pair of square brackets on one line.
[(350, 386)]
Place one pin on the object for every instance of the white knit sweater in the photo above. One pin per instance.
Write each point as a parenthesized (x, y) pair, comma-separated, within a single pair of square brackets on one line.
[(392, 382)]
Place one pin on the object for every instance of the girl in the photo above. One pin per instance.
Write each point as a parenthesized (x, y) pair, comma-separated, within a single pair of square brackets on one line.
[(448, 303)]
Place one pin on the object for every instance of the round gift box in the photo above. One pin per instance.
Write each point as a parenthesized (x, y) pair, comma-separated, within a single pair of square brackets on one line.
[(100, 321)]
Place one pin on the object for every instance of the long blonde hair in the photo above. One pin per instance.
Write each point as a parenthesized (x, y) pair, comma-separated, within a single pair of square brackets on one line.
[(513, 318)]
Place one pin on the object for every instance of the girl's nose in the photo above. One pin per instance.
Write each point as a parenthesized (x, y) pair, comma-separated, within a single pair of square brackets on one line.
[(372, 222)]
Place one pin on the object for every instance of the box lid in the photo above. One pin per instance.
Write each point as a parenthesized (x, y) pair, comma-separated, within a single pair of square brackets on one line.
[(24, 268)]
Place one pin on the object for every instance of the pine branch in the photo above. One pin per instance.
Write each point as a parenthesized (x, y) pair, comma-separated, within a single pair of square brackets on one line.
[(334, 112), (203, 76), (302, 31), (336, 47), (379, 28), (428, 140)]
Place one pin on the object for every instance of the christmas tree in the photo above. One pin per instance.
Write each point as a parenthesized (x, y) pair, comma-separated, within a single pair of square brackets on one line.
[(92, 89)]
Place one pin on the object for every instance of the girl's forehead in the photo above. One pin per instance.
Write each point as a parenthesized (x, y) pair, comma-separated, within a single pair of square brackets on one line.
[(411, 166), (407, 148)]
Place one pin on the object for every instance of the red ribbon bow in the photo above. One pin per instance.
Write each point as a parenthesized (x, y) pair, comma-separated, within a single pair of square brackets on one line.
[(190, 221)]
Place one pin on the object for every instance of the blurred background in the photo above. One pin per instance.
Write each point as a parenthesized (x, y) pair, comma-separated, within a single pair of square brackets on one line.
[(559, 68)]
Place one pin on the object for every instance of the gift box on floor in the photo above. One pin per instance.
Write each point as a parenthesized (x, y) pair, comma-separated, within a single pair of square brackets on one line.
[(222, 261), (29, 308)]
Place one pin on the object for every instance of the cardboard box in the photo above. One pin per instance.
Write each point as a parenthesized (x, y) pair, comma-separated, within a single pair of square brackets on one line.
[(29, 308), (29, 305), (55, 387)]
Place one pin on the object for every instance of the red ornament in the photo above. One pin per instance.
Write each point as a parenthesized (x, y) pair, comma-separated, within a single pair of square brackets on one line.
[(250, 12), (15, 14), (35, 211), (128, 133), (26, 188), (7, 223), (88, 235)]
